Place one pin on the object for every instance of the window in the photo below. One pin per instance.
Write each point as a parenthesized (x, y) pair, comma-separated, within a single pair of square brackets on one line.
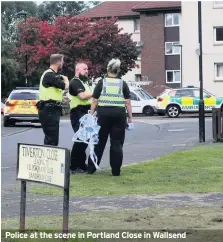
[(172, 76), (184, 93), (143, 94), (24, 96), (205, 93), (172, 20), (136, 25), (170, 49), (172, 93), (133, 96), (218, 4), (137, 77), (218, 35), (219, 71), (165, 93)]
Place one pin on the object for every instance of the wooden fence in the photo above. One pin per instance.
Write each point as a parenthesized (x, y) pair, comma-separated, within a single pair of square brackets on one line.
[(217, 124)]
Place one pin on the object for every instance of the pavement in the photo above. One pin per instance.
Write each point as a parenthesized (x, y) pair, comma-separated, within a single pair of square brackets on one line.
[(152, 137), (48, 205)]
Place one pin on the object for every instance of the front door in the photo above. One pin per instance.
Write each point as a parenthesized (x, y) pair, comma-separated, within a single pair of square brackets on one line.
[(209, 101)]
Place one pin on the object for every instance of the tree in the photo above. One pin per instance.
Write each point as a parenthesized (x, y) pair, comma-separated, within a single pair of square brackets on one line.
[(9, 37), (10, 72), (78, 39), (9, 75), (49, 10), (8, 16)]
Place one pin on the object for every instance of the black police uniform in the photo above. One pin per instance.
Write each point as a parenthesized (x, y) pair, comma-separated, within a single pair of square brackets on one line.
[(78, 153), (50, 110), (113, 122)]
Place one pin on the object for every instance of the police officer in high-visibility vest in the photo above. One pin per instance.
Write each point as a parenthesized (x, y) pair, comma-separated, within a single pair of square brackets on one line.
[(111, 97), (80, 102), (49, 107)]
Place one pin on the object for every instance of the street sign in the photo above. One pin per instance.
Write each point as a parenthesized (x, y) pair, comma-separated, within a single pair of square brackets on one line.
[(43, 164)]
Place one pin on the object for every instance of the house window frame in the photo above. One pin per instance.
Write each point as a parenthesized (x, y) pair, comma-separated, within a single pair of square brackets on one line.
[(173, 25), (217, 5), (174, 42), (215, 71), (134, 21), (173, 82), (215, 35), (138, 77)]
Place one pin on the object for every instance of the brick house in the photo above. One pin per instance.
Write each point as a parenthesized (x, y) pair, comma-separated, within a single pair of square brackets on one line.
[(159, 31), (155, 26)]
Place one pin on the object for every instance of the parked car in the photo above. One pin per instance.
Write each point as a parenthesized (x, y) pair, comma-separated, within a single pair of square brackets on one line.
[(142, 101), (21, 106), (2, 107), (185, 100)]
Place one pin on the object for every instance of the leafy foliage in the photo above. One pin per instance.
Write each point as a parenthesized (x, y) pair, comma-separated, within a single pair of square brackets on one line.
[(52, 27), (78, 39), (9, 17), (49, 10), (10, 69)]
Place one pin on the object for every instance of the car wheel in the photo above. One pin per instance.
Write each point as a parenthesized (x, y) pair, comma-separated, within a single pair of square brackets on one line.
[(6, 122), (12, 123), (173, 111), (148, 111)]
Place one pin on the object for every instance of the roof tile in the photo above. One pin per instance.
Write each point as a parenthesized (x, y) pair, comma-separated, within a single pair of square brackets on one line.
[(112, 9), (157, 4), (125, 8)]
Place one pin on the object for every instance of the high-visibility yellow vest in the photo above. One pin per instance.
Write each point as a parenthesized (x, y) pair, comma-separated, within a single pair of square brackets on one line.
[(76, 101), (112, 93), (49, 93)]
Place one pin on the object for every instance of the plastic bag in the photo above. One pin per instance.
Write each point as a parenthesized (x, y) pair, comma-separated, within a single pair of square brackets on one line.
[(88, 133), (130, 126)]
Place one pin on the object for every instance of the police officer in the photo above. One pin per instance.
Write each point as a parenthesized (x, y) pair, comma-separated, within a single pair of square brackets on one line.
[(51, 95), (80, 102), (111, 96)]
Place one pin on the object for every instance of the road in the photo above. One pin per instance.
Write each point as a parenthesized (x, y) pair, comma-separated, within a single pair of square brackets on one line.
[(152, 137)]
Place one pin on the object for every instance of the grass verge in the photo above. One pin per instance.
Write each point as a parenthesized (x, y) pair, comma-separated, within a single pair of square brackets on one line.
[(152, 219), (196, 170)]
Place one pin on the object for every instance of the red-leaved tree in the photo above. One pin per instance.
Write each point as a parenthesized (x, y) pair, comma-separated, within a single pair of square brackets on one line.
[(78, 39)]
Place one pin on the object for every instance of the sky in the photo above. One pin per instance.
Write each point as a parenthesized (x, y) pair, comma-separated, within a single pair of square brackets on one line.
[(38, 2)]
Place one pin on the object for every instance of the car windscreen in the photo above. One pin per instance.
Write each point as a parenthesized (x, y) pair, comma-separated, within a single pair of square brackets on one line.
[(210, 94), (143, 94), (165, 93), (24, 96)]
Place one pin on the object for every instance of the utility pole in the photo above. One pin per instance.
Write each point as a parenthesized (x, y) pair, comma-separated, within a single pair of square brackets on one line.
[(201, 101)]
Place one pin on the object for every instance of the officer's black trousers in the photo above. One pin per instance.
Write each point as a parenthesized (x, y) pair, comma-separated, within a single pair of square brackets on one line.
[(115, 127), (78, 153), (50, 119)]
